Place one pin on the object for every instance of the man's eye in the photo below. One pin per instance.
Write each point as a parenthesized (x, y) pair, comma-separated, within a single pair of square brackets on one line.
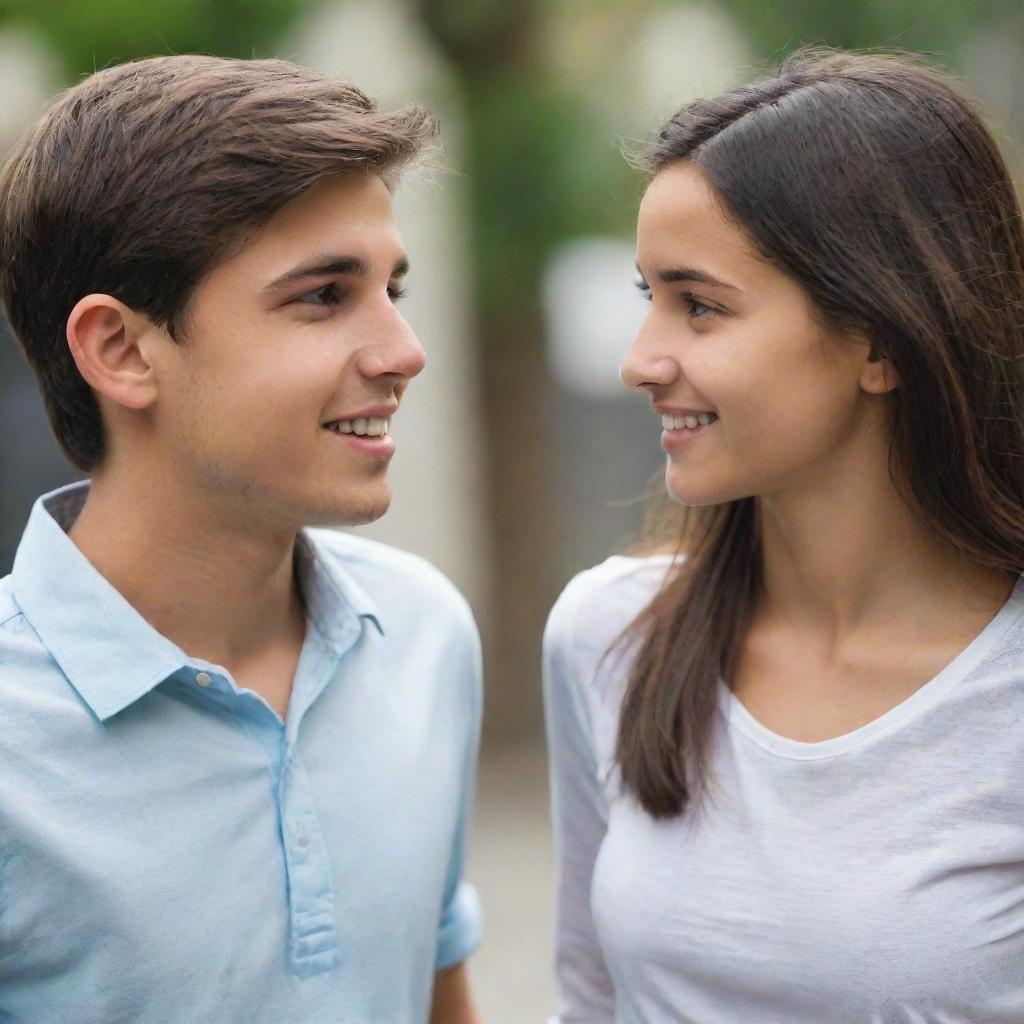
[(326, 296)]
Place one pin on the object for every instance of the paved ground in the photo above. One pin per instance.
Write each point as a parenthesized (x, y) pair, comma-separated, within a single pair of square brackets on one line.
[(510, 864)]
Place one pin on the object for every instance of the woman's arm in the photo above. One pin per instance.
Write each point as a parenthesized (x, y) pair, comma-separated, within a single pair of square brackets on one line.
[(579, 821)]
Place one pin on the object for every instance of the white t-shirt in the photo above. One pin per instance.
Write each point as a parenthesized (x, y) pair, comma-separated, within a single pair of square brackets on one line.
[(873, 878)]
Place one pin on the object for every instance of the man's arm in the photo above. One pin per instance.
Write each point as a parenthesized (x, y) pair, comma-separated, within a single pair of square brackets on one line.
[(452, 1003), (461, 921)]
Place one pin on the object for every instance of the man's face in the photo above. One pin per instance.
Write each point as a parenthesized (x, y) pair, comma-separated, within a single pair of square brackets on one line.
[(293, 361)]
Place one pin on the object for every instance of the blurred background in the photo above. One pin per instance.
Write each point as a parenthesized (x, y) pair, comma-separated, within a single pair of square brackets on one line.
[(521, 459)]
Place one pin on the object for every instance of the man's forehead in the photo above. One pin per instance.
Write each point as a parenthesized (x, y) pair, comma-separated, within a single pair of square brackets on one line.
[(339, 233), (358, 199)]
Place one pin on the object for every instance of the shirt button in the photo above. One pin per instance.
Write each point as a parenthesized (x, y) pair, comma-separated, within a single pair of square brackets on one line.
[(303, 839), (203, 679)]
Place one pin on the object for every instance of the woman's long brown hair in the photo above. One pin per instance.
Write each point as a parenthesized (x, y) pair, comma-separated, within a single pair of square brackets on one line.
[(872, 181)]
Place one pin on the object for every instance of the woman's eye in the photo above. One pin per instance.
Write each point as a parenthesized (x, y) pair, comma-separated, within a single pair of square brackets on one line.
[(326, 296), (694, 307), (698, 310), (395, 292)]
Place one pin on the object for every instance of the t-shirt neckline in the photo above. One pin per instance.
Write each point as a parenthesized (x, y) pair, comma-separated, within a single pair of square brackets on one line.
[(737, 715)]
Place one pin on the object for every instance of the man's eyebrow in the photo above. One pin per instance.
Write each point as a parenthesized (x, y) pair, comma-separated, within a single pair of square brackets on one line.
[(676, 275), (322, 266)]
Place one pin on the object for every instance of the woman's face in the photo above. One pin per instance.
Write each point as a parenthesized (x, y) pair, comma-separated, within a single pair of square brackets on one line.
[(731, 339)]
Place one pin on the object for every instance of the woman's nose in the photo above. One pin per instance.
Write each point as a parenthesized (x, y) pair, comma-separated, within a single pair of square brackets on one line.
[(646, 366)]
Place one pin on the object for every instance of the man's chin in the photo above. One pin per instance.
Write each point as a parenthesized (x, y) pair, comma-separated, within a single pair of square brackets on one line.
[(354, 511)]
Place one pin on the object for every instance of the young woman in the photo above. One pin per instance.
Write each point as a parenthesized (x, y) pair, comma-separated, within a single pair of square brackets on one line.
[(788, 759)]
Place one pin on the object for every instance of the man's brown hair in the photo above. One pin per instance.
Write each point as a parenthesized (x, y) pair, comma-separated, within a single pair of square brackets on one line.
[(139, 179)]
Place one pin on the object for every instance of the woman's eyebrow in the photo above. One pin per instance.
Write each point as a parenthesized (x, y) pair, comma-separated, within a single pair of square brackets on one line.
[(675, 275)]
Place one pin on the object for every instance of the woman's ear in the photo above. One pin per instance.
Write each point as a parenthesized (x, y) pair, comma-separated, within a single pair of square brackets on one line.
[(104, 335), (878, 376)]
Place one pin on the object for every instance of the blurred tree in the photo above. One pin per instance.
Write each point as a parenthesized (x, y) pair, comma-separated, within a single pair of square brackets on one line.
[(933, 27), (540, 172), (90, 34)]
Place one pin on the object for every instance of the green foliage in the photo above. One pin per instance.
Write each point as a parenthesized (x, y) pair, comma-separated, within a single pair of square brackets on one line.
[(935, 27), (540, 172), (540, 166), (90, 34), (482, 34)]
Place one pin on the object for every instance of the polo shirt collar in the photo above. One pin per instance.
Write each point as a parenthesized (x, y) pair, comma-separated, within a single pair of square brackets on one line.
[(331, 595), (110, 654)]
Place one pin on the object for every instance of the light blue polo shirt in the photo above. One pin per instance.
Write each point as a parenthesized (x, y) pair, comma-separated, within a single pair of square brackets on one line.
[(171, 853)]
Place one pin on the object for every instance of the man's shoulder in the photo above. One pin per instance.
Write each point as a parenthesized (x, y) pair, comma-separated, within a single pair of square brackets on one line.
[(398, 581), (16, 634), (30, 677), (8, 606)]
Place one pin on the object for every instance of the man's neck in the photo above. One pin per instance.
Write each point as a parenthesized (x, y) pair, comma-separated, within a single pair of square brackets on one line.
[(211, 584)]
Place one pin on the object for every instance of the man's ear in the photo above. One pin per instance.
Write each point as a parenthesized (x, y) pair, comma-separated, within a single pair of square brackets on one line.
[(878, 376), (104, 336)]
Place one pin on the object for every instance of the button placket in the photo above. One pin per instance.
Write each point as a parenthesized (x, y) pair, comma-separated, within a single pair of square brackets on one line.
[(311, 911)]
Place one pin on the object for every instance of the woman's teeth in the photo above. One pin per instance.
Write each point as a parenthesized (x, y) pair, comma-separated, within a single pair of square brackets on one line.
[(701, 419), (364, 426)]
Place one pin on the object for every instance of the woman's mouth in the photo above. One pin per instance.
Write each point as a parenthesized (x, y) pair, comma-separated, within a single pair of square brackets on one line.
[(679, 430)]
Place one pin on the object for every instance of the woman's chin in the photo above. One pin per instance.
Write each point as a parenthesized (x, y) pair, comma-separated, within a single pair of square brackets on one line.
[(688, 490)]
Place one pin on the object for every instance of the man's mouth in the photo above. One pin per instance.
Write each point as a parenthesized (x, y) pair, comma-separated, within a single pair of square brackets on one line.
[(363, 427)]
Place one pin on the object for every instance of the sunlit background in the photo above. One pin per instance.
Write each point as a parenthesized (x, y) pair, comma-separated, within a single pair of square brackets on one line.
[(521, 459)]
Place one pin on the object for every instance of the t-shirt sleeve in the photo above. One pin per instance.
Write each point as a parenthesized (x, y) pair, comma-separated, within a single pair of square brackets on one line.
[(461, 926), (579, 819)]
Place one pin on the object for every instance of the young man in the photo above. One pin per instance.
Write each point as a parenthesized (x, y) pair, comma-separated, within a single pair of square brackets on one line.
[(236, 753)]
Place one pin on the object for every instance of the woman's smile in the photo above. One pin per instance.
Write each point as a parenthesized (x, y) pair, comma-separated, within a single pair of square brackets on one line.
[(679, 430)]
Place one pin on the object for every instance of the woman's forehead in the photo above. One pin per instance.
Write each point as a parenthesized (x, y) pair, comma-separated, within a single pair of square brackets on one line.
[(681, 222)]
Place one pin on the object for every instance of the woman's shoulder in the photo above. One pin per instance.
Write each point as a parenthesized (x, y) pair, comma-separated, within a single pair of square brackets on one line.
[(598, 604)]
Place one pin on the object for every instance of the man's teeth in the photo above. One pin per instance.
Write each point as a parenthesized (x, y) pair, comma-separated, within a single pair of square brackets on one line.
[(701, 419), (364, 426)]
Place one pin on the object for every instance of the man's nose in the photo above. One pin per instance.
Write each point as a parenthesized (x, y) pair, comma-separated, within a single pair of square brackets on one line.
[(396, 351)]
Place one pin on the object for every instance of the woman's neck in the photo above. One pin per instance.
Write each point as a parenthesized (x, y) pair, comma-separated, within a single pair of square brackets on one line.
[(850, 555)]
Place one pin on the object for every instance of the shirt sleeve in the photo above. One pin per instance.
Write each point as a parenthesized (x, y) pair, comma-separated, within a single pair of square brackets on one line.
[(461, 926), (579, 818)]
